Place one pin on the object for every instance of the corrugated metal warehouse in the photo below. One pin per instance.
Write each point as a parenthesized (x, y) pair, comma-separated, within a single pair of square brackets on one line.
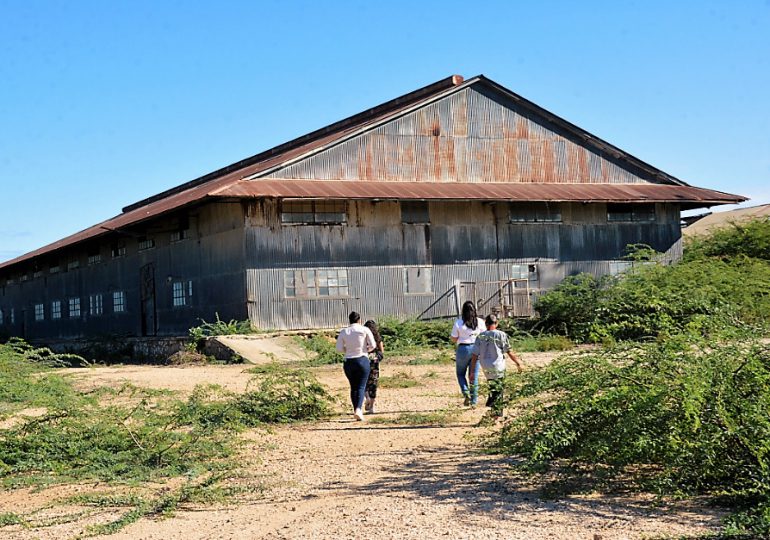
[(461, 189)]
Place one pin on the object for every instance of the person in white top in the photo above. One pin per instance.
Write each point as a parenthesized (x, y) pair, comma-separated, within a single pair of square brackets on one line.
[(464, 333), (355, 342)]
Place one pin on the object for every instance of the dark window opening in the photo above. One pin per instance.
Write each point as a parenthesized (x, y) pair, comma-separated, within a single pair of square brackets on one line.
[(535, 212), (414, 212), (631, 212), (314, 212)]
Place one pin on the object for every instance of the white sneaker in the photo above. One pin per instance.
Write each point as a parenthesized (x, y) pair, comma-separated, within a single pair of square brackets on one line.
[(359, 415), (371, 407)]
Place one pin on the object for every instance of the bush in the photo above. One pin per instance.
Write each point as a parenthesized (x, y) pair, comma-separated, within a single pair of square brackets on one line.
[(683, 416), (405, 337), (750, 239), (323, 349), (134, 435), (198, 334)]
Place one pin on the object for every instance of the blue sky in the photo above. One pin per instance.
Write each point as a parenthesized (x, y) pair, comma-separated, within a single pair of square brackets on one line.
[(105, 103)]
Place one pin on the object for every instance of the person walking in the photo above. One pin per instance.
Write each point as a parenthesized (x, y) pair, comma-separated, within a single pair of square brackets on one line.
[(375, 357), (355, 342), (488, 353), (464, 333)]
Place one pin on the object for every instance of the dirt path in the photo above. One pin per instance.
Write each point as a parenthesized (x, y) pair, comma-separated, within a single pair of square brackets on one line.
[(379, 479)]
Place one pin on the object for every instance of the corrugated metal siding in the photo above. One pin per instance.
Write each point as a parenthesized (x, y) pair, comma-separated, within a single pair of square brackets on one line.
[(473, 135), (377, 291)]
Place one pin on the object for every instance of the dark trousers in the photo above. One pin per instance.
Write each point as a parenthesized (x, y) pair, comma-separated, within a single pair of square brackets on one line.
[(357, 372), (495, 399)]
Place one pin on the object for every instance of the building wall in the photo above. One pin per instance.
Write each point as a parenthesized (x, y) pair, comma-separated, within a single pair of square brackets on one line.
[(210, 257), (464, 242)]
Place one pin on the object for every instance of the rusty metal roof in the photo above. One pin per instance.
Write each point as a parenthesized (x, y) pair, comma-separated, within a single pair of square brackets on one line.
[(229, 181), (324, 189)]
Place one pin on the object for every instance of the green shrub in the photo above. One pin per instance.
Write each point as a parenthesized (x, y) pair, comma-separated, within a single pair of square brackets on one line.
[(322, 348), (405, 337), (749, 239), (683, 416), (131, 435), (198, 334)]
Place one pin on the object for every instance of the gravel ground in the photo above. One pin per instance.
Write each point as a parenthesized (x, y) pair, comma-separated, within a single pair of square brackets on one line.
[(377, 479)]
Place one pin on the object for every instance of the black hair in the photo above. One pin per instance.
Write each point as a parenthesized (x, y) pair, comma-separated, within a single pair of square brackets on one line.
[(491, 319), (354, 317), (371, 325), (470, 319)]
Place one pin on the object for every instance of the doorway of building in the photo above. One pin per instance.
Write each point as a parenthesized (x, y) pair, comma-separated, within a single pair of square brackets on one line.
[(147, 294)]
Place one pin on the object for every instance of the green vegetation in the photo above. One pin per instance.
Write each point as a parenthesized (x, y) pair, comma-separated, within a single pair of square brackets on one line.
[(400, 379), (441, 417), (410, 336), (442, 358), (322, 349), (198, 334), (677, 402), (710, 292), (131, 436)]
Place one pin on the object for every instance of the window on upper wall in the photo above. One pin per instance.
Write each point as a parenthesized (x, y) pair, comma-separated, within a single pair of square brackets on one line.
[(118, 302), (95, 306), (178, 236), (37, 274), (631, 212), (181, 293), (418, 280), (74, 307), (313, 212), (54, 269), (146, 243), (72, 265), (414, 212), (535, 212), (39, 312), (118, 249), (316, 283), (95, 258), (56, 309)]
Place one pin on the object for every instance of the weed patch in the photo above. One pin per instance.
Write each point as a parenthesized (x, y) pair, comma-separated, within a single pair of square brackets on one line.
[(129, 436), (400, 379), (429, 418)]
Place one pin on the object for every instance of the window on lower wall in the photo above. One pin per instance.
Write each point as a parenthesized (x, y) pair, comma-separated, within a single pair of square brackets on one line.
[(181, 293), (74, 307), (631, 212), (414, 212), (618, 267), (39, 312), (95, 306), (316, 283), (118, 302), (13, 316), (313, 212), (535, 212), (56, 309), (525, 271), (418, 280), (2, 317)]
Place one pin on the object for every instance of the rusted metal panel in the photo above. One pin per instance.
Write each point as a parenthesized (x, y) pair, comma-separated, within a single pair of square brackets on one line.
[(498, 191)]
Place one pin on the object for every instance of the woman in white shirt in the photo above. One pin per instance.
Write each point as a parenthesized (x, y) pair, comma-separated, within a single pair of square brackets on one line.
[(464, 333), (355, 342)]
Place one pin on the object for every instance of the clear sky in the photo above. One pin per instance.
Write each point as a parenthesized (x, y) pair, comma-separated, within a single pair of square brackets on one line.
[(105, 103)]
